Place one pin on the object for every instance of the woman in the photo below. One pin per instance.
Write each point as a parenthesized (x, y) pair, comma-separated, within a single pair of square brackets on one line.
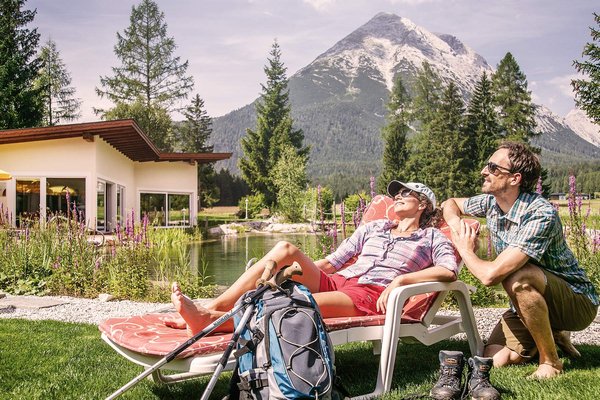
[(389, 254)]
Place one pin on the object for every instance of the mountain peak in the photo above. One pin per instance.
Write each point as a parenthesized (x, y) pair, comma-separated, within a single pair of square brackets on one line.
[(388, 45)]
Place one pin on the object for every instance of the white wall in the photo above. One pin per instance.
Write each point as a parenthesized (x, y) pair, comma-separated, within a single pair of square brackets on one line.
[(61, 158), (171, 177)]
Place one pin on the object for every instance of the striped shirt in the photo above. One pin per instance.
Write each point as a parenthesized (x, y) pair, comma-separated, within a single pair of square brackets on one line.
[(533, 226), (382, 257)]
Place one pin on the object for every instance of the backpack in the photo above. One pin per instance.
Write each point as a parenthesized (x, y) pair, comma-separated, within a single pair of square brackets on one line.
[(284, 351)]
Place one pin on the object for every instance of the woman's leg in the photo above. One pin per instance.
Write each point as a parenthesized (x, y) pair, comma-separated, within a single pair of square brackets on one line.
[(336, 304), (283, 253)]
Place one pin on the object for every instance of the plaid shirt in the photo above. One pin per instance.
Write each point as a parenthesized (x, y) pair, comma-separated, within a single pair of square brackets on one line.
[(382, 257), (532, 225)]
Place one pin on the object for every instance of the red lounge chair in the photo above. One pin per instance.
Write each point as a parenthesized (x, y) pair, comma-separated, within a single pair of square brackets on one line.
[(412, 315)]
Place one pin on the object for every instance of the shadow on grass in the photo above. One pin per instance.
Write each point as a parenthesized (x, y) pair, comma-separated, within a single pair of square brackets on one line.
[(54, 360)]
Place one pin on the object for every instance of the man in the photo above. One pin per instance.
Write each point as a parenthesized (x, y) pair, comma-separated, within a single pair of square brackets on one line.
[(550, 293)]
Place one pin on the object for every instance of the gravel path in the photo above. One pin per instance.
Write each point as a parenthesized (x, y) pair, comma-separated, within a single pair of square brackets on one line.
[(94, 311)]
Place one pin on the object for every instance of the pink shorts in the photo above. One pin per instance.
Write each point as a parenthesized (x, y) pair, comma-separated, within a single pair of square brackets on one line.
[(364, 296)]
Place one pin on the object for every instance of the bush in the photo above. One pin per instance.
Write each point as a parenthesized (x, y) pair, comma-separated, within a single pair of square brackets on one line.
[(256, 203), (314, 207)]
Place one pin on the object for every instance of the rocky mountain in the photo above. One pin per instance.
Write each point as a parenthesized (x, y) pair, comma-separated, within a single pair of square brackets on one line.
[(339, 100), (582, 125)]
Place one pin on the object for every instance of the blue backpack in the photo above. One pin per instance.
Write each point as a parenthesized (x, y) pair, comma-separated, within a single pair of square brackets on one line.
[(284, 352)]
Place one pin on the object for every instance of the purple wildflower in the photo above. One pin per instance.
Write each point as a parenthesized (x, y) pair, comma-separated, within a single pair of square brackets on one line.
[(489, 247), (343, 213), (538, 187), (372, 186)]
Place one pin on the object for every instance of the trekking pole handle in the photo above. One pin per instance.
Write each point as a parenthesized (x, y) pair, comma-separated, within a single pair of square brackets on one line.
[(267, 274), (287, 272)]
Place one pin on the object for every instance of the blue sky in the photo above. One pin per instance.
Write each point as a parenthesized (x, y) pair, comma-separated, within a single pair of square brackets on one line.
[(227, 41)]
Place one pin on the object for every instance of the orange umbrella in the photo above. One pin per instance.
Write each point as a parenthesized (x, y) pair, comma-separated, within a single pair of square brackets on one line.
[(4, 176)]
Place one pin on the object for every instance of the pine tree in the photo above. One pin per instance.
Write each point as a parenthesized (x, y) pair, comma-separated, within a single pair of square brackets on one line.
[(587, 90), (193, 136), (155, 121), (20, 100), (427, 91), (149, 75), (148, 70), (262, 147), (513, 101), (395, 151), (447, 158), (60, 103), (481, 122)]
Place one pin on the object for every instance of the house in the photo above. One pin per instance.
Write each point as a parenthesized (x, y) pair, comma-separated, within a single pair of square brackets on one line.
[(106, 170)]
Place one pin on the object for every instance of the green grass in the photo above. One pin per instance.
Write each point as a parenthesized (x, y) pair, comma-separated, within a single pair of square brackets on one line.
[(55, 360)]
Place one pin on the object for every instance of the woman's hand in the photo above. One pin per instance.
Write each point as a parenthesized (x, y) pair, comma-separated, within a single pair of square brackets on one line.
[(383, 298)]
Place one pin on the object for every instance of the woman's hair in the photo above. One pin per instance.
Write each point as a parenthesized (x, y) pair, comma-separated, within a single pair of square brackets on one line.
[(431, 217)]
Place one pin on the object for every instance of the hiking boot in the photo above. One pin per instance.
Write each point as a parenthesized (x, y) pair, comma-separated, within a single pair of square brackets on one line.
[(479, 385), (448, 384)]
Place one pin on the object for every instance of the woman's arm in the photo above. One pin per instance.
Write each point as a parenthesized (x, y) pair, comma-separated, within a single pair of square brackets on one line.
[(431, 274), (325, 266)]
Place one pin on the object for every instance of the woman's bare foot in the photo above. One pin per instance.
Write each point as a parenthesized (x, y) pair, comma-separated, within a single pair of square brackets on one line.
[(563, 342), (547, 370), (174, 322), (195, 316)]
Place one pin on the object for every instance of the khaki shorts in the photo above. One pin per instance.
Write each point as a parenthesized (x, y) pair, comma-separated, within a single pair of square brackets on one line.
[(569, 311)]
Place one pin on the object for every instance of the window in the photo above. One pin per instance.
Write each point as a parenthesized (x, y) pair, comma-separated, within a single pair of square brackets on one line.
[(120, 203), (179, 210), (100, 206), (166, 209), (65, 192), (154, 205), (28, 200)]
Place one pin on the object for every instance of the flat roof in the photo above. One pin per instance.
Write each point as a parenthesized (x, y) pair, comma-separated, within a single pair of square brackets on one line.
[(124, 135)]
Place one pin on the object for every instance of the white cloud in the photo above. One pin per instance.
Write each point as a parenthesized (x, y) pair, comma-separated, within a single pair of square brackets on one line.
[(563, 84), (319, 5)]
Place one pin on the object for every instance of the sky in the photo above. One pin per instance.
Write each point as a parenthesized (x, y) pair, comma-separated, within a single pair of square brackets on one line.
[(227, 42)]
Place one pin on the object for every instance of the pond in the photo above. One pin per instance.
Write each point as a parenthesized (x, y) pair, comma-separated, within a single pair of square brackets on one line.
[(225, 257)]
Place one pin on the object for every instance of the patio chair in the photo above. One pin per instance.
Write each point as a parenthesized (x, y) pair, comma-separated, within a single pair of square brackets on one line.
[(412, 314)]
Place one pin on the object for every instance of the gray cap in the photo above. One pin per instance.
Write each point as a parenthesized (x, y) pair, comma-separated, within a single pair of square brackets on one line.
[(395, 186)]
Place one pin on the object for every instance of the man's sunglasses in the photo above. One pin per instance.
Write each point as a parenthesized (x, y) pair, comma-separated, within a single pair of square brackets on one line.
[(493, 168)]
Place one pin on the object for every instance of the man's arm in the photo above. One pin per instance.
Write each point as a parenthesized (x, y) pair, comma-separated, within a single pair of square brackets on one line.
[(488, 272), (453, 208)]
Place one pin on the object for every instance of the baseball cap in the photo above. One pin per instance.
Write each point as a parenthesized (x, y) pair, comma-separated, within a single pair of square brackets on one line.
[(395, 186)]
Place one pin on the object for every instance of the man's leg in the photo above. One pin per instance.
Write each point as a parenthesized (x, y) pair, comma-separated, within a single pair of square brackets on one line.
[(283, 253), (526, 287)]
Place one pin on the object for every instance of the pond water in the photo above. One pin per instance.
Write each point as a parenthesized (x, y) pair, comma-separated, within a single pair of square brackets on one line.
[(225, 257)]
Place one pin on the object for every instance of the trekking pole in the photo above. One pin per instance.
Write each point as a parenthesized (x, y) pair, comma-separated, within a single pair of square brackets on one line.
[(286, 273), (266, 285)]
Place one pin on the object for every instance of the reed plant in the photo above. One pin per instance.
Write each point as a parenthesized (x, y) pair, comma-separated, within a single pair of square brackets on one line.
[(56, 257)]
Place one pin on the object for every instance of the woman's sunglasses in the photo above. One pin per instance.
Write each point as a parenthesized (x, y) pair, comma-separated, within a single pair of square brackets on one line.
[(494, 168), (404, 192)]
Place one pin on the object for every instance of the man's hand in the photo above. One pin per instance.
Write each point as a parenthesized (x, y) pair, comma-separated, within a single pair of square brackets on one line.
[(465, 238)]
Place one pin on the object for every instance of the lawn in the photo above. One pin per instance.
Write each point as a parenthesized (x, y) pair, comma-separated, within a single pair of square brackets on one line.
[(55, 360)]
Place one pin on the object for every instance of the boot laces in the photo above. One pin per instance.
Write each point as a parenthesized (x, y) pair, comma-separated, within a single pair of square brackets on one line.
[(482, 382), (448, 376)]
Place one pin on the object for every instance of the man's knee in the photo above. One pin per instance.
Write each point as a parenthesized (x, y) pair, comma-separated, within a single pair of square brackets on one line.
[(529, 278)]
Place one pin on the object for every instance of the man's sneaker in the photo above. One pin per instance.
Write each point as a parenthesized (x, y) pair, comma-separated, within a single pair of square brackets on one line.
[(448, 384), (478, 385)]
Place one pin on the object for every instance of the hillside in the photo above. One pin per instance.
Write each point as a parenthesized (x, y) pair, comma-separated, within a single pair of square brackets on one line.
[(339, 101)]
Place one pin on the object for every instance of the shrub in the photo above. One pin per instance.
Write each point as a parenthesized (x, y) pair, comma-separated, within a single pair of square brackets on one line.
[(256, 203)]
